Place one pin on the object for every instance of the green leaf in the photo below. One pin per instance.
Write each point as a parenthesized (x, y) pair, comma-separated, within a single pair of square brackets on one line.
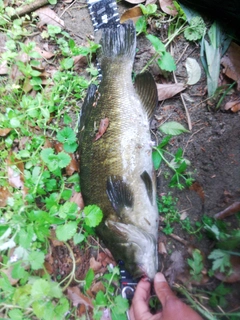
[(14, 123), (66, 231), (62, 308), (157, 159), (67, 135), (93, 215), (89, 279), (148, 9), (221, 260), (164, 141), (70, 148), (173, 128), (121, 304), (101, 299), (141, 25), (68, 209), (156, 43), (63, 159), (15, 314), (52, 1), (40, 289), (36, 259), (166, 62), (196, 29), (78, 238), (67, 63), (46, 154)]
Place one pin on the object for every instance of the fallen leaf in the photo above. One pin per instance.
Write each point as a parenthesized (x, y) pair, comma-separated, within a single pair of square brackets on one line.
[(95, 265), (4, 194), (98, 286), (73, 165), (45, 54), (231, 63), (3, 68), (234, 276), (78, 199), (77, 297), (105, 259), (48, 16), (104, 123), (15, 174), (162, 248), (133, 13), (79, 62), (8, 273), (229, 211), (168, 7), (4, 132), (233, 105), (198, 189), (176, 267), (193, 71), (150, 2), (166, 91)]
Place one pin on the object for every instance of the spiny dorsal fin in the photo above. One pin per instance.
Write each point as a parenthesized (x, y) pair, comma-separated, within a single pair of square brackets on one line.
[(148, 184), (147, 91), (119, 194), (87, 105)]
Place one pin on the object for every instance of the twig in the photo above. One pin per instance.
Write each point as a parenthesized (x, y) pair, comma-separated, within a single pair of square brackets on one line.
[(175, 237), (183, 102), (67, 8), (27, 8), (182, 53)]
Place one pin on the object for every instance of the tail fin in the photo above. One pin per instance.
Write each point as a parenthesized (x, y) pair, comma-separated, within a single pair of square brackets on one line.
[(118, 42)]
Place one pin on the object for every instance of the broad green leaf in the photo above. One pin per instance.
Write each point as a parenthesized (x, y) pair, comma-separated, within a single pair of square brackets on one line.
[(101, 299), (63, 159), (66, 135), (40, 289), (166, 62), (66, 231), (36, 259), (15, 314), (67, 63), (93, 215), (172, 128), (89, 279), (62, 308), (78, 238), (14, 123), (164, 141), (157, 159), (156, 43), (141, 25), (148, 9)]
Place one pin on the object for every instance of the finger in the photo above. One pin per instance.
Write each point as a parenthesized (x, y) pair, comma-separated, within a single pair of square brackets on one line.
[(162, 289), (140, 300)]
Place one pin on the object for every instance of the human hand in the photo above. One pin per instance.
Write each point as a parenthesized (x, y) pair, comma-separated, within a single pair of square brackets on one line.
[(172, 307)]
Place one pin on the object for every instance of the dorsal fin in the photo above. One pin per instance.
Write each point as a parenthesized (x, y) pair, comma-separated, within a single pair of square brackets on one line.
[(147, 91), (87, 105), (148, 184), (119, 194)]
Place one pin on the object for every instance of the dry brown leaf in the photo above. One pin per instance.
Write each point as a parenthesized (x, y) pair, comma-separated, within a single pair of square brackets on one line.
[(233, 105), (98, 286), (79, 62), (234, 276), (4, 132), (45, 54), (3, 68), (198, 189), (150, 2), (231, 63), (229, 211), (77, 297), (8, 273), (168, 7), (78, 199), (4, 194), (15, 177), (48, 16), (166, 91), (104, 123), (105, 259), (133, 13), (95, 265), (162, 248), (176, 267)]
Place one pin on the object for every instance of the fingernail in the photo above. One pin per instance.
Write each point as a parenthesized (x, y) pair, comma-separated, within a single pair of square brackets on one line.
[(159, 277)]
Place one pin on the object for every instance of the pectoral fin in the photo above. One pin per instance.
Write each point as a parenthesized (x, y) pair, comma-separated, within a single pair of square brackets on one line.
[(148, 184), (119, 194), (147, 91)]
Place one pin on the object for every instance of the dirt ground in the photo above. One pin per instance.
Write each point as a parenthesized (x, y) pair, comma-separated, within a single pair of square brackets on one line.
[(212, 146)]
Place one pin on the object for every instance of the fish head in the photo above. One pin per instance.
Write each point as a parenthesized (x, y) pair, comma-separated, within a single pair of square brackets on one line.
[(139, 249)]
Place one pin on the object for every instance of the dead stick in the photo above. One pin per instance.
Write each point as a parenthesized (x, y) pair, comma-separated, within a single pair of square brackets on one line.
[(229, 211), (175, 237), (29, 8)]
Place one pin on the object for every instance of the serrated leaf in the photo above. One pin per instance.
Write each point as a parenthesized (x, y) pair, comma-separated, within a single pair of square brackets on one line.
[(66, 135), (193, 71), (66, 231), (172, 128), (166, 62), (221, 259), (93, 215), (101, 299), (63, 159), (196, 29), (40, 289)]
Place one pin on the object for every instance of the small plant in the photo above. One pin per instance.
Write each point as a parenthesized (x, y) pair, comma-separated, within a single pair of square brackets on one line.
[(196, 265), (178, 164), (167, 207)]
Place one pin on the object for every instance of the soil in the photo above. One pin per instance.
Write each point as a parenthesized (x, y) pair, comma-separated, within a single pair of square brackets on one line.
[(212, 146)]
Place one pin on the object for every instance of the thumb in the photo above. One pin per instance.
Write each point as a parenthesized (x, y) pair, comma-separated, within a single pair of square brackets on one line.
[(162, 289)]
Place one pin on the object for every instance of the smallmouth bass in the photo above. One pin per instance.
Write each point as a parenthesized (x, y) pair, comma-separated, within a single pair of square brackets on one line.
[(116, 170)]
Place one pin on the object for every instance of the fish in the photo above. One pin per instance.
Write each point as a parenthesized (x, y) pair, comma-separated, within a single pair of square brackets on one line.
[(115, 149)]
